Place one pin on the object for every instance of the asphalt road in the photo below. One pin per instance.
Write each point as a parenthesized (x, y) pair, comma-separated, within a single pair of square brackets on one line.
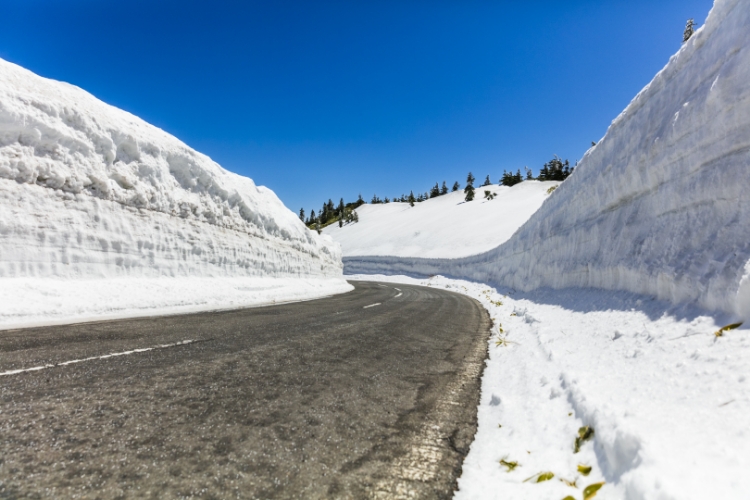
[(321, 399)]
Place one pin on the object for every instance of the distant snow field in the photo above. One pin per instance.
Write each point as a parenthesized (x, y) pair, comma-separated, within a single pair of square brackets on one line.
[(442, 227), (116, 209)]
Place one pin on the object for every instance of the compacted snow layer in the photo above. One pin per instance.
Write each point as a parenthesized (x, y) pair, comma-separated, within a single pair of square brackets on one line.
[(88, 191), (667, 399), (424, 230), (659, 206)]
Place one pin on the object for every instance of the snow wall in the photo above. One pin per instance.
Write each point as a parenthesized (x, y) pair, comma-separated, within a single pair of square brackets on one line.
[(89, 191), (661, 206)]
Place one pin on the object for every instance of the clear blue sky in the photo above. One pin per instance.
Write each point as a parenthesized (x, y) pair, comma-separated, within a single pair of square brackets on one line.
[(323, 100)]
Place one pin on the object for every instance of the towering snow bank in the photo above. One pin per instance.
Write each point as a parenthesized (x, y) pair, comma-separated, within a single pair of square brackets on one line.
[(425, 229), (88, 190), (660, 206)]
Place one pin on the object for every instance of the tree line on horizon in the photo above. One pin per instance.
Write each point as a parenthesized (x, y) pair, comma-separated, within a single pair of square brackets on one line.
[(345, 213)]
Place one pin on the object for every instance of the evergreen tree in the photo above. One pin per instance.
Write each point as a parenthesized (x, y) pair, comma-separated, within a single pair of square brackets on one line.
[(341, 209), (528, 173), (444, 189), (302, 214), (555, 170), (331, 211), (359, 202), (511, 179), (386, 200), (435, 191), (456, 186), (469, 189), (312, 217), (411, 198), (689, 30), (486, 181)]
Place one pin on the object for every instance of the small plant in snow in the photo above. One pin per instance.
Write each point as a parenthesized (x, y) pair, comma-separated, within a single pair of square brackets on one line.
[(590, 491), (509, 465), (572, 483), (541, 477), (584, 434), (720, 331), (584, 469), (550, 190), (502, 342), (489, 195)]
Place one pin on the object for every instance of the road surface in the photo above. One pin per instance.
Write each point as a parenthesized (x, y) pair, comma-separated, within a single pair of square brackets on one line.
[(369, 394)]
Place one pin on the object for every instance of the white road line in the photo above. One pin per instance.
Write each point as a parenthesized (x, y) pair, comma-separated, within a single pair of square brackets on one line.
[(105, 356), (372, 305), (399, 295)]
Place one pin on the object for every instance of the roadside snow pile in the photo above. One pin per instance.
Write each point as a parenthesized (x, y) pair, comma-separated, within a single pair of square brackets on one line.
[(90, 191), (666, 401), (660, 206), (422, 230)]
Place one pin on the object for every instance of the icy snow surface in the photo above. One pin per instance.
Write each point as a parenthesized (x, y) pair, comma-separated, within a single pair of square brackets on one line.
[(667, 400), (660, 206), (422, 230), (90, 195)]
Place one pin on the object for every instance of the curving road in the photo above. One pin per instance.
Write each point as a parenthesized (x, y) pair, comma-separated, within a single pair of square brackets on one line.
[(369, 394)]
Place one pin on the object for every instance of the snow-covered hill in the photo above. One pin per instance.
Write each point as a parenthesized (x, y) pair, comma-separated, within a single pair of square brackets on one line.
[(90, 192), (445, 226), (660, 206)]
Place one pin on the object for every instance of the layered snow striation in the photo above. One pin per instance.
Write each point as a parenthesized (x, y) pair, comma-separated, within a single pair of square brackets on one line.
[(660, 205), (425, 229), (88, 190)]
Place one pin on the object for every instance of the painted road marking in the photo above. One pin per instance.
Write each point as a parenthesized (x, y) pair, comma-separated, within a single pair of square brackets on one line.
[(112, 355), (372, 305)]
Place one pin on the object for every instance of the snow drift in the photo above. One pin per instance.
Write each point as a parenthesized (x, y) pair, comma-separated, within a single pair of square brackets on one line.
[(660, 206), (90, 191)]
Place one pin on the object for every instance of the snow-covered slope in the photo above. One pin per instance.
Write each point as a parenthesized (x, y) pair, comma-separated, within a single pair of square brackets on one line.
[(660, 206), (422, 230), (90, 191)]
